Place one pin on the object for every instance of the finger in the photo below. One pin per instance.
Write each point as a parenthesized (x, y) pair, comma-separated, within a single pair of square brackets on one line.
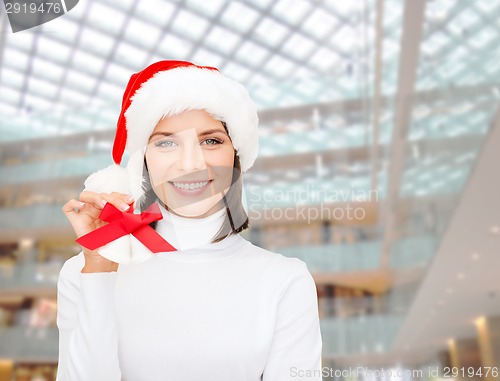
[(73, 206), (128, 199), (119, 200), (94, 198)]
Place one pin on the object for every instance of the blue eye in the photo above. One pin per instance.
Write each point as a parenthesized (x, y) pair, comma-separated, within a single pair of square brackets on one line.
[(216, 141), (163, 143)]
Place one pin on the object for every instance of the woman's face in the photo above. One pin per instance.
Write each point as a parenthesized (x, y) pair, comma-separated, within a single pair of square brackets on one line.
[(190, 161)]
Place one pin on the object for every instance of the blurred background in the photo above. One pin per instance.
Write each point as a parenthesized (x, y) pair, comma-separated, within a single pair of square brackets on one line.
[(378, 164)]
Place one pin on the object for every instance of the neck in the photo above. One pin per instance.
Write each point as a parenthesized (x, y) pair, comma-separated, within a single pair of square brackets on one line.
[(185, 233)]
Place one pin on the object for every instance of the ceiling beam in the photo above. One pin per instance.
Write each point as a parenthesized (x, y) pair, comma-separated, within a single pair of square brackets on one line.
[(413, 21)]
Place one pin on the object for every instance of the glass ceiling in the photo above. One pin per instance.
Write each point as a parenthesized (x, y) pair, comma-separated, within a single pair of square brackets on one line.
[(286, 53), (67, 76)]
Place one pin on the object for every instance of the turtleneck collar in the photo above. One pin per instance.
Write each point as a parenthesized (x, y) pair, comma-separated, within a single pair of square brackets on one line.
[(194, 235)]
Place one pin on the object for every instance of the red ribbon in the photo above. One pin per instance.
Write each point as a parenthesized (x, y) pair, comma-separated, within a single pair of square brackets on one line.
[(122, 223)]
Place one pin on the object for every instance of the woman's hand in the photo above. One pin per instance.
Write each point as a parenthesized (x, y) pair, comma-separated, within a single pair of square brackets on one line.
[(86, 220)]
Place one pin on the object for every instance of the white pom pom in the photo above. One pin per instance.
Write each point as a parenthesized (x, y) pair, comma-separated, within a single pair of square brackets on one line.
[(110, 179)]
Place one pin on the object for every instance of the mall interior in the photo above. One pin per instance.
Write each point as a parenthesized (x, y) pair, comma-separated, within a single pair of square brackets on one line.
[(379, 148)]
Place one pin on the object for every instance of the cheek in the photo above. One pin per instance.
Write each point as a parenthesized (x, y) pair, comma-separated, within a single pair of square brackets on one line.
[(223, 157), (159, 166)]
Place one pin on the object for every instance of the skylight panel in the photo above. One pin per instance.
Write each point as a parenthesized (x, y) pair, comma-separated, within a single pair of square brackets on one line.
[(133, 56), (347, 39), (37, 102), (53, 50), (117, 74), (270, 32), (20, 41), (106, 18), (308, 88), (208, 58), (240, 17), (7, 109), (299, 46), (434, 44), (77, 14), (124, 5), (486, 6), (390, 49), (73, 97), (48, 70), (44, 88), (304, 73), (324, 59), (237, 72), (88, 62), (95, 41), (76, 122), (466, 19), (9, 95), (279, 67), (173, 46), (483, 37), (210, 8), (345, 8), (252, 53), (16, 58), (157, 12), (262, 3), (291, 11), (110, 92), (142, 34), (493, 66), (258, 79), (65, 29), (222, 39), (80, 81), (320, 24), (189, 24), (11, 77), (267, 93)]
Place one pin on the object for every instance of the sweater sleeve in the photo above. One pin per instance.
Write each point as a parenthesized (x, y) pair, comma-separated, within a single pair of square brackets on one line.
[(296, 346), (88, 341)]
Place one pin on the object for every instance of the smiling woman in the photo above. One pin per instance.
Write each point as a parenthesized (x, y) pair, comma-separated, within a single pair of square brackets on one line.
[(190, 299), (189, 175)]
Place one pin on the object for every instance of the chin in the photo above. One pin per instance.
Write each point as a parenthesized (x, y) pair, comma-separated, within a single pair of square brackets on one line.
[(196, 209)]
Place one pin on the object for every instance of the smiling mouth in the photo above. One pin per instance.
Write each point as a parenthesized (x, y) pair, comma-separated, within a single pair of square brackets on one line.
[(190, 185)]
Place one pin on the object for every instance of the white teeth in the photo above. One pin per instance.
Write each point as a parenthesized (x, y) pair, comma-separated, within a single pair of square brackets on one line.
[(191, 186)]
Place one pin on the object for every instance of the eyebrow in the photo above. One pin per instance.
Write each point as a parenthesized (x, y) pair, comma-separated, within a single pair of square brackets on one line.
[(204, 133)]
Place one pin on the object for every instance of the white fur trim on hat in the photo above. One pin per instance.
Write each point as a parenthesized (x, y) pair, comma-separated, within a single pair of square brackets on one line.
[(173, 91)]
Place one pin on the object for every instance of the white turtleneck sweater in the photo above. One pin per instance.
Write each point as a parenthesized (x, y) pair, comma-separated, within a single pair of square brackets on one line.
[(225, 311)]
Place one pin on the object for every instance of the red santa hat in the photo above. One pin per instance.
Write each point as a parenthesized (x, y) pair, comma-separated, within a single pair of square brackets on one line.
[(167, 88)]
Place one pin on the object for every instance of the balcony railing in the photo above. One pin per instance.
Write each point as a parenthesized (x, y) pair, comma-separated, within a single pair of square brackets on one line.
[(29, 275), (29, 343), (406, 252), (363, 334)]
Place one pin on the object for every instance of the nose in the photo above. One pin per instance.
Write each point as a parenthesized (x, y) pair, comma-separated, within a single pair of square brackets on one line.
[(191, 158)]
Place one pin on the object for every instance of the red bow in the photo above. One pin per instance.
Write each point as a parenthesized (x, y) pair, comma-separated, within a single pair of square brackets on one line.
[(121, 223)]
